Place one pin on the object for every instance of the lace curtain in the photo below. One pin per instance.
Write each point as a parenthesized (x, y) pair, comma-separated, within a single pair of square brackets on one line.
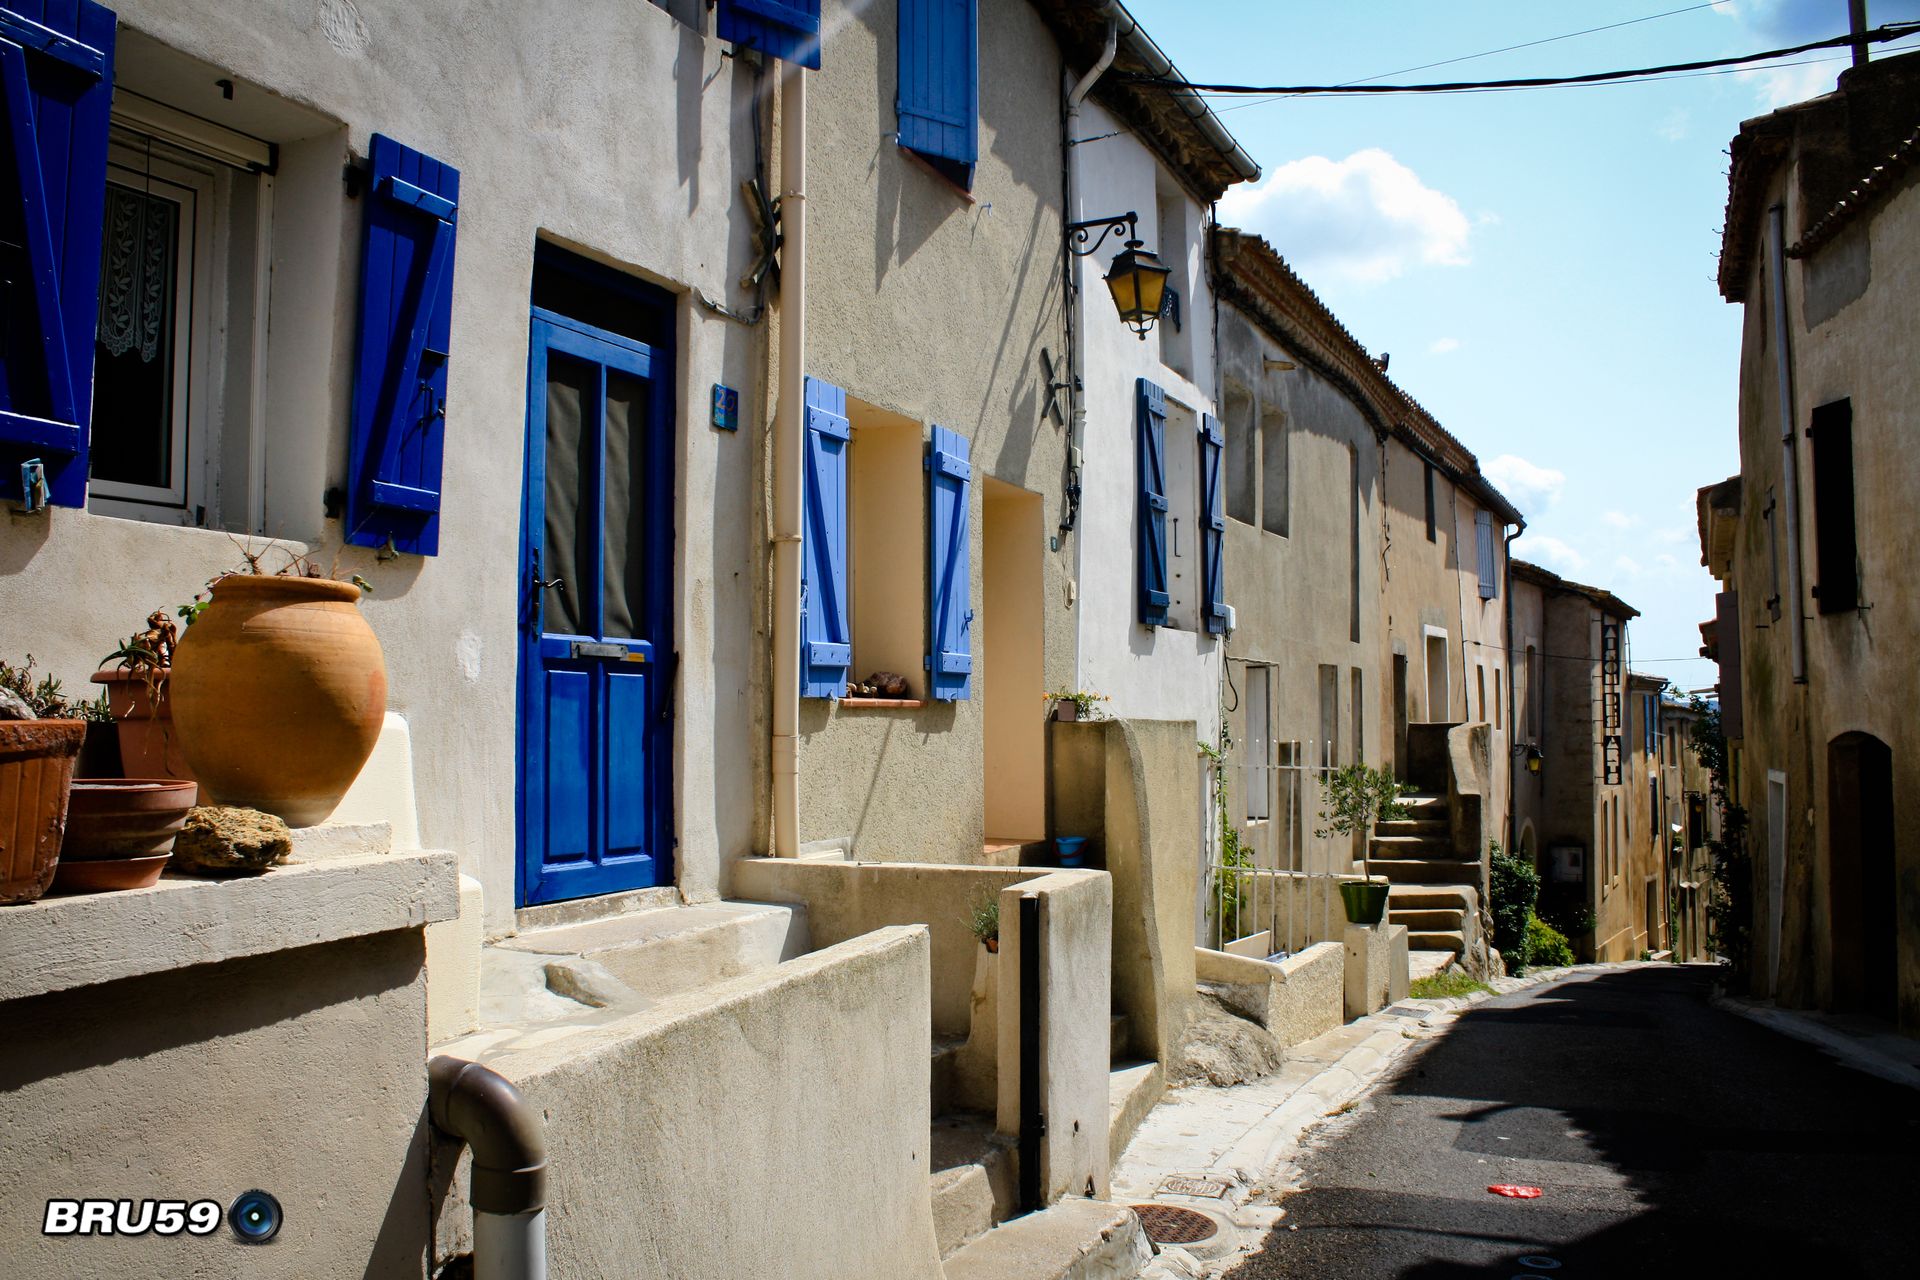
[(136, 275)]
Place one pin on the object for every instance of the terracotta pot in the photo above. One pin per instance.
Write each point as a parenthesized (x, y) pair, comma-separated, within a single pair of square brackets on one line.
[(143, 713), (100, 752), (36, 769), (279, 689), (125, 817), (104, 875)]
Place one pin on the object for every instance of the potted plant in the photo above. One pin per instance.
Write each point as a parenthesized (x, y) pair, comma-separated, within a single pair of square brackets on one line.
[(137, 691), (120, 832), (1356, 796), (279, 689), (984, 922), (1069, 705), (40, 736)]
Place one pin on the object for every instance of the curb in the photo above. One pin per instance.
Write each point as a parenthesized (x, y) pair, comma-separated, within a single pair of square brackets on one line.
[(1841, 1047)]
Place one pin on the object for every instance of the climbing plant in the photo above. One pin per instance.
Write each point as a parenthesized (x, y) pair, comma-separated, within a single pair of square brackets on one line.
[(1231, 877), (1731, 910)]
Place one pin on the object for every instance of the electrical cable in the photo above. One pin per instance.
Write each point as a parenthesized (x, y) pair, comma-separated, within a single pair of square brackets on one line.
[(1881, 34)]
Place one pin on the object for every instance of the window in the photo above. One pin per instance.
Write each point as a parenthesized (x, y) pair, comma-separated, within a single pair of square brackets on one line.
[(1536, 694), (1489, 551), (1835, 538), (1480, 690), (1498, 707), (1170, 219), (886, 519), (1353, 544), (1329, 717), (1183, 523), (1355, 754), (1439, 687), (1259, 749), (1275, 495), (1243, 473), (938, 96), (1432, 528)]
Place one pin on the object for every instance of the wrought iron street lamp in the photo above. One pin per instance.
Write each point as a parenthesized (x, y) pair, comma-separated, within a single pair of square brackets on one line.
[(1137, 279)]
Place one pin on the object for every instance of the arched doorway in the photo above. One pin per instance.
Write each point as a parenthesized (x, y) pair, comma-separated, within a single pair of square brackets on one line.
[(1860, 899)]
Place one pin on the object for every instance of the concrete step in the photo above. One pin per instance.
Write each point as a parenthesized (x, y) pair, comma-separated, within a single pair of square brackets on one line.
[(1437, 940), (1451, 897), (1430, 964), (1423, 804), (1132, 1089), (1424, 870), (1424, 919), (1410, 847), (1073, 1240), (1118, 1036), (974, 1179), (946, 1052), (1437, 828), (668, 950)]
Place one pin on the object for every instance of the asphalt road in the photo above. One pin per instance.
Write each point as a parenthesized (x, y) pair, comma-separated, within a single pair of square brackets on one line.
[(1668, 1138)]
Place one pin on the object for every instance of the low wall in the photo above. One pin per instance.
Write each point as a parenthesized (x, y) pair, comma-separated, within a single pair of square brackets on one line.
[(1377, 967), (1075, 911), (771, 1123), (1295, 999), (848, 899)]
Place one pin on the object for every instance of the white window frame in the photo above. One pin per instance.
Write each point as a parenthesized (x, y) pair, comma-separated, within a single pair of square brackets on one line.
[(195, 190), (1258, 798)]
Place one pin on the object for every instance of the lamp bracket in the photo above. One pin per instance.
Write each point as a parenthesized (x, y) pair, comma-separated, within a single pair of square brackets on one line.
[(1079, 233)]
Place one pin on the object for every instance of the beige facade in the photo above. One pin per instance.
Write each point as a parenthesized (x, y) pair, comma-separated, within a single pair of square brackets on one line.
[(1816, 626)]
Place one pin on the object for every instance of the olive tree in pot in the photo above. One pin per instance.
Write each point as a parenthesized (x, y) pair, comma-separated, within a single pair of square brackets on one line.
[(1355, 797)]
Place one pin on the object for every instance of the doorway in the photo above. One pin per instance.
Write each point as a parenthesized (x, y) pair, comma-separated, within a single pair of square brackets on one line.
[(1438, 689), (1013, 686), (596, 660), (1861, 890), (1400, 715)]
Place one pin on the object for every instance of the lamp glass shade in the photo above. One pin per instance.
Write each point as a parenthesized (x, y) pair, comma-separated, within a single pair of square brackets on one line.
[(1138, 282)]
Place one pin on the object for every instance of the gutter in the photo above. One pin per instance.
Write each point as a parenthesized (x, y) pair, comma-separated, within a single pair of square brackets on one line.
[(787, 462), (507, 1137), (1141, 45)]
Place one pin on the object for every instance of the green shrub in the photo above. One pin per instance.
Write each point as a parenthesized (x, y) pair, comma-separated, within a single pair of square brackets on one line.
[(1454, 982), (1513, 889), (1546, 945)]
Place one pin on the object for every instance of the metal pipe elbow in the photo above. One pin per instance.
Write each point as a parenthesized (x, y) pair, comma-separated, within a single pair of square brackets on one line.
[(504, 1131)]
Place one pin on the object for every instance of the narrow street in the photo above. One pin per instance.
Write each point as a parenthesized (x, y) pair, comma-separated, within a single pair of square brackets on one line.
[(1668, 1138)]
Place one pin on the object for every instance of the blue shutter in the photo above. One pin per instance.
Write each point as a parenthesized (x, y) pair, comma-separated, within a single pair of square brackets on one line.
[(785, 29), (938, 100), (1489, 556), (949, 659), (825, 645), (1150, 452), (1213, 528), (56, 78), (399, 423)]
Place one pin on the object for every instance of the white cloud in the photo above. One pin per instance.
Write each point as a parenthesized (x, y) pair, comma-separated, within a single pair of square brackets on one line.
[(1666, 561), (1366, 218), (1530, 486), (1674, 536), (1673, 126), (1441, 346), (1619, 519), (1773, 24), (1626, 565), (1551, 551)]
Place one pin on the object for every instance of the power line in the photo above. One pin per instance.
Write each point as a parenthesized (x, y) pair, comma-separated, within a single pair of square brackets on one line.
[(1891, 31), (1471, 57)]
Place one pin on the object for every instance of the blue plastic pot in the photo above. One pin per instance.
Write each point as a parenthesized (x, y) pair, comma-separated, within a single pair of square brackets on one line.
[(1072, 850)]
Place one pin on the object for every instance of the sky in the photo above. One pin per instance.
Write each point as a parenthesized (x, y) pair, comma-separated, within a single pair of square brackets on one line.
[(1540, 265)]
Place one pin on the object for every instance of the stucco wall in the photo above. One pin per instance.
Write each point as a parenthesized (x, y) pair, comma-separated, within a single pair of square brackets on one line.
[(618, 131), (1861, 676), (934, 304), (783, 1110), (299, 1072)]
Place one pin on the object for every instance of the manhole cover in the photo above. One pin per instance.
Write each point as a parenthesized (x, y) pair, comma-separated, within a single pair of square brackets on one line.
[(1170, 1224)]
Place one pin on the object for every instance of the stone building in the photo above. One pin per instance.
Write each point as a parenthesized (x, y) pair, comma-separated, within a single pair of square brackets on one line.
[(1814, 630)]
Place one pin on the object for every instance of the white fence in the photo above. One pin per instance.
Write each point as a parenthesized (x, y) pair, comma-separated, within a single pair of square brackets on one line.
[(1261, 897)]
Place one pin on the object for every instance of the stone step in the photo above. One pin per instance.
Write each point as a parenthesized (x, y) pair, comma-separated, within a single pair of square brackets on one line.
[(1422, 803), (1438, 940), (1132, 1089), (1118, 1036), (1411, 847), (1073, 1240), (1437, 828), (1448, 871), (1430, 964), (667, 950), (974, 1179), (1414, 897), (946, 1055), (1419, 919)]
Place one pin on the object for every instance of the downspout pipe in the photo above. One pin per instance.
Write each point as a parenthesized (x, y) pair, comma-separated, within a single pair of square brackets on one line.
[(1789, 454), (507, 1137), (1076, 280), (787, 461), (1513, 683)]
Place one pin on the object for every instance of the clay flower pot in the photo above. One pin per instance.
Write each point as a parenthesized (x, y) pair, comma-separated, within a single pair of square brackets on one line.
[(122, 818), (143, 716), (278, 690), (36, 770)]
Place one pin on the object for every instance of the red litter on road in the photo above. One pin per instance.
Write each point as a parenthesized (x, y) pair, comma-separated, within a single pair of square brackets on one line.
[(1513, 1192)]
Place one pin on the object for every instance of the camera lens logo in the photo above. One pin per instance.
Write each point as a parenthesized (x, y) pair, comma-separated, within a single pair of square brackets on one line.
[(255, 1217)]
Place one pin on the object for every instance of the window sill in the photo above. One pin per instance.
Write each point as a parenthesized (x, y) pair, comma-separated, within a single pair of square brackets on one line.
[(909, 703)]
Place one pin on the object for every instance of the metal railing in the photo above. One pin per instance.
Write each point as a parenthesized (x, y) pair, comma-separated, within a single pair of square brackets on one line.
[(1262, 896)]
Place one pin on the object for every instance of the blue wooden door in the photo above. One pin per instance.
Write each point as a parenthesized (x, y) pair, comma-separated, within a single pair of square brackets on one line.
[(596, 654)]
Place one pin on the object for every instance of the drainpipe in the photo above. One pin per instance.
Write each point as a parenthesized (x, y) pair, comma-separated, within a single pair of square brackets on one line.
[(1513, 702), (787, 461), (508, 1139), (1076, 275), (1789, 456)]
